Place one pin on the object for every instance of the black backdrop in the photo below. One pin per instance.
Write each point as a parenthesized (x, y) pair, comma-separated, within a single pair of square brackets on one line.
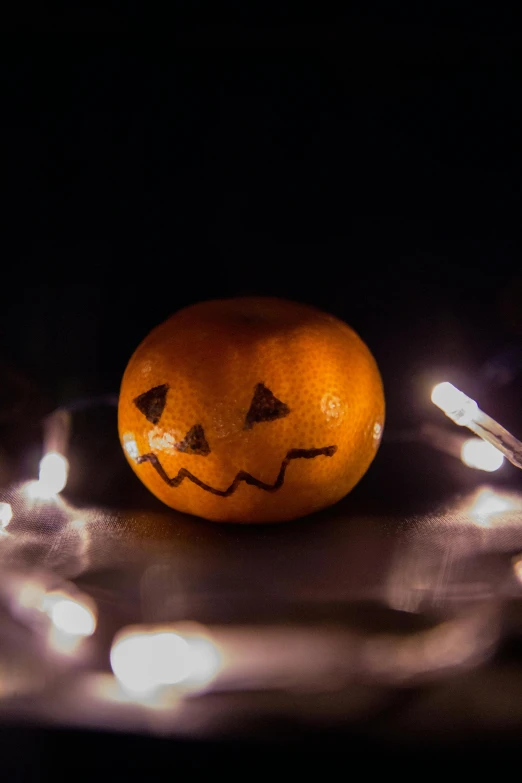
[(367, 166)]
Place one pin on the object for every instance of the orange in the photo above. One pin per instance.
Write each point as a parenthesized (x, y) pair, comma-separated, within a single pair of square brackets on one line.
[(251, 410)]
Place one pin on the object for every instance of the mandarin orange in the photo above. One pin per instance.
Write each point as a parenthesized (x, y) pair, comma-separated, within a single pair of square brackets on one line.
[(251, 410)]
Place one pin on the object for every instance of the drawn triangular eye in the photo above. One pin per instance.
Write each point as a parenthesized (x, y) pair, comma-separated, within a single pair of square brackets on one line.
[(194, 442), (264, 407), (152, 402)]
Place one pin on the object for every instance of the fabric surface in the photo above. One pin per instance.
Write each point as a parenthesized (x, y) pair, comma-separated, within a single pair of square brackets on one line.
[(396, 613)]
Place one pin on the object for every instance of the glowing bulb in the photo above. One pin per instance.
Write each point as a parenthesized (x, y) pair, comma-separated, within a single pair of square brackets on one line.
[(144, 661), (479, 454), (455, 404), (69, 615), (6, 514), (52, 479), (487, 508)]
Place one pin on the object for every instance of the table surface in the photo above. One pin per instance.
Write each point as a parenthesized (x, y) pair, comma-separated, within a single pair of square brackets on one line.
[(395, 614)]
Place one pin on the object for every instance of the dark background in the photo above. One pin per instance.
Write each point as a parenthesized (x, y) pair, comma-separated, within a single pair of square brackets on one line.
[(367, 165)]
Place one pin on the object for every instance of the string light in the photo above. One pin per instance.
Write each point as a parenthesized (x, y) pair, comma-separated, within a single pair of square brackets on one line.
[(64, 616), (54, 465), (473, 452), (54, 469), (73, 619), (6, 515), (466, 413), (147, 659), (70, 615), (480, 454), (53, 473)]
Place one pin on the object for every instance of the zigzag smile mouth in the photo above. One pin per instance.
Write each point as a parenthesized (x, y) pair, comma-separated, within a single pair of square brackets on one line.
[(183, 473)]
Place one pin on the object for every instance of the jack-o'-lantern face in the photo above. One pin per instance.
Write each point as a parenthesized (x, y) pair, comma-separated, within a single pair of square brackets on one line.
[(263, 408), (242, 438)]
